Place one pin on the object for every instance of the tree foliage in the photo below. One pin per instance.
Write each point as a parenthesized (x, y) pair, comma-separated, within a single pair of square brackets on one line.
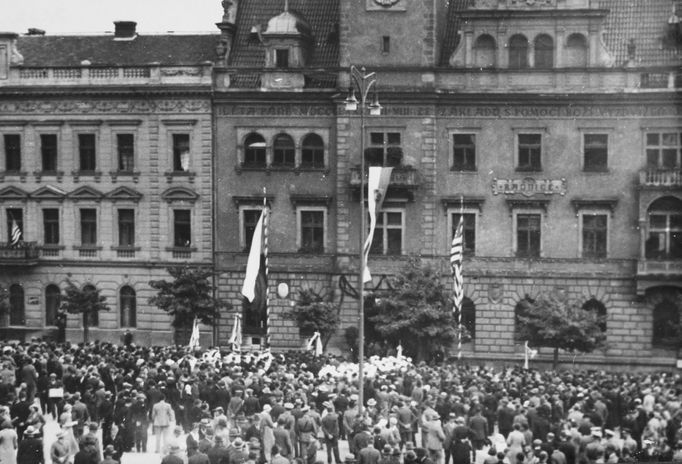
[(189, 294), (417, 312), (315, 312), (559, 323), (84, 300)]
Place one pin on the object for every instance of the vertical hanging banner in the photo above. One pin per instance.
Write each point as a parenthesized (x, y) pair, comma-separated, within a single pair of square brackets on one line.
[(379, 178)]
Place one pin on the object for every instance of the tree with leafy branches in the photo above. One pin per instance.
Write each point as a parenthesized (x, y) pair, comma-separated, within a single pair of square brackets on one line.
[(417, 312), (85, 300), (315, 312), (188, 295), (559, 323)]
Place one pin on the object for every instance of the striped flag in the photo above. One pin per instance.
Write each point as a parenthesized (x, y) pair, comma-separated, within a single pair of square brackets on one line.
[(236, 336), (456, 254), (16, 233)]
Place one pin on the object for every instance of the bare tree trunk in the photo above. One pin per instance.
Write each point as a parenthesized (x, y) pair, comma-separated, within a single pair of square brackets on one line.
[(86, 330)]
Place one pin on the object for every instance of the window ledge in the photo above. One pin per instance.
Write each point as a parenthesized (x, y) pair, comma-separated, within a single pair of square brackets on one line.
[(125, 248), (78, 174), (187, 249), (171, 175), (313, 169), (40, 174), (20, 174), (520, 169), (116, 174), (52, 247), (596, 170), (87, 247), (309, 251), (282, 167), (464, 170)]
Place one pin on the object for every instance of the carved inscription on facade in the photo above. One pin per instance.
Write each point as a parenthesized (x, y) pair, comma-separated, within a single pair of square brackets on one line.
[(529, 186)]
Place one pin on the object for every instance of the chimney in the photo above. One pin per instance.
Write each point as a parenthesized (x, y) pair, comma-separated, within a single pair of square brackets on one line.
[(124, 29)]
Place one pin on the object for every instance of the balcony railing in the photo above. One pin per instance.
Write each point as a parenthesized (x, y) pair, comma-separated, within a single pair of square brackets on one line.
[(660, 178), (22, 254), (655, 267)]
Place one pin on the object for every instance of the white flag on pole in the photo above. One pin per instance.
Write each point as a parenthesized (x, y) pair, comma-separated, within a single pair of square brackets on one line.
[(377, 184)]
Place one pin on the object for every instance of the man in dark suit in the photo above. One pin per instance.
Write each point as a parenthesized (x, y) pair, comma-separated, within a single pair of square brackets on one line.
[(330, 429), (369, 455), (283, 439)]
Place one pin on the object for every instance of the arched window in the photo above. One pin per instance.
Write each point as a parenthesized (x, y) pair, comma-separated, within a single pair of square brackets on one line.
[(576, 51), (128, 307), (312, 152), (518, 52), (283, 151), (468, 316), (666, 318), (544, 51), (254, 151), (90, 318), (597, 307), (520, 310), (17, 310), (484, 51), (53, 297), (665, 229)]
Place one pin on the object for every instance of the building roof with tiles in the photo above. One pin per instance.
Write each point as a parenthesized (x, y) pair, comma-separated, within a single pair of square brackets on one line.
[(253, 16), (106, 50), (645, 22)]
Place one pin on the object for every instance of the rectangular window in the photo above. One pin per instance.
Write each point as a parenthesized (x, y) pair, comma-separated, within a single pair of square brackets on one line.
[(182, 228), (15, 225), (125, 144), (664, 150), (48, 151), (249, 221), (528, 235), (468, 231), (126, 227), (282, 58), (87, 152), (12, 152), (88, 226), (385, 149), (388, 235), (181, 154), (594, 235), (529, 152), (464, 152), (595, 152), (312, 231), (51, 226), (385, 44)]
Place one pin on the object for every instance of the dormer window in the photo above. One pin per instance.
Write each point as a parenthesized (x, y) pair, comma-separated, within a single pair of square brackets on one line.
[(282, 58)]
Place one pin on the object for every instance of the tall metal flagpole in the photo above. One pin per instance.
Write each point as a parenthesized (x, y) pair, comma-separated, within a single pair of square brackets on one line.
[(266, 220), (363, 82)]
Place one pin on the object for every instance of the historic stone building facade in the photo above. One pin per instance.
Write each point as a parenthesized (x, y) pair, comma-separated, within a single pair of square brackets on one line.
[(553, 126), (105, 160)]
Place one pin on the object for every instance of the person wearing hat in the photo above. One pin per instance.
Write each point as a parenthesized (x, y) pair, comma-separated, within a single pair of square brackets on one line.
[(173, 456), (283, 438), (109, 453), (277, 457), (434, 437), (329, 424), (30, 449), (237, 452), (218, 453), (306, 430)]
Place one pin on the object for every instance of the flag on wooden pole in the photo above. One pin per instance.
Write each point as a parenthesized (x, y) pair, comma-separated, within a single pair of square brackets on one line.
[(377, 185), (456, 254)]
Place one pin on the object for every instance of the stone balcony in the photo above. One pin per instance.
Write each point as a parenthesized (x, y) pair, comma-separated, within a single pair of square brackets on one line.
[(661, 178), (152, 74), (24, 254)]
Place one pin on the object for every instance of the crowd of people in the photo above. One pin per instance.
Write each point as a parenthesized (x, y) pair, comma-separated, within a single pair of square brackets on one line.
[(218, 408)]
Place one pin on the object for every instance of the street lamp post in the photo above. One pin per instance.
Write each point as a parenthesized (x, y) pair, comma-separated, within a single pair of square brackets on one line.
[(363, 82)]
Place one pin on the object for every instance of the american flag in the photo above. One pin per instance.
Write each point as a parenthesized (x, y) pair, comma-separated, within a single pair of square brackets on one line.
[(456, 252), (16, 232)]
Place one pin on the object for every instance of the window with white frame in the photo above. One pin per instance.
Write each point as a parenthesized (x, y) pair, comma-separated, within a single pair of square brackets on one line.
[(664, 149), (468, 228), (529, 151), (594, 233), (12, 149), (248, 218), (389, 232), (527, 233), (312, 228), (595, 152)]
